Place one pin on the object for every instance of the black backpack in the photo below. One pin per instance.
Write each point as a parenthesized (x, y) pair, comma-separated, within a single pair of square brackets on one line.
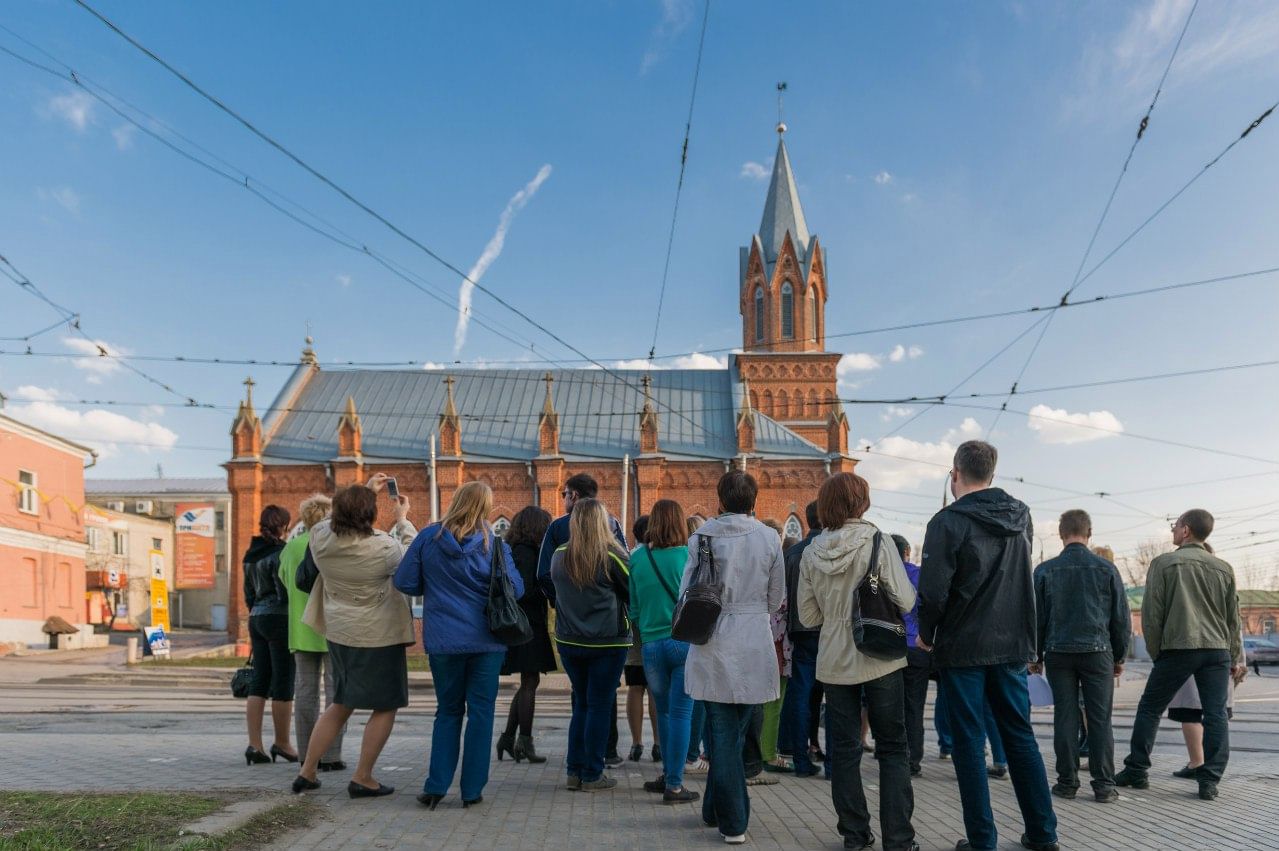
[(697, 612), (878, 628)]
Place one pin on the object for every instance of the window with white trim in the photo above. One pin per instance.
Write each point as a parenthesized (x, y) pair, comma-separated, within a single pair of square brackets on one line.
[(119, 542), (788, 311), (28, 496), (93, 536), (792, 529)]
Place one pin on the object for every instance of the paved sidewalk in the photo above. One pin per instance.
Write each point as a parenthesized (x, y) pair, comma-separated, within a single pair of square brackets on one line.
[(526, 807)]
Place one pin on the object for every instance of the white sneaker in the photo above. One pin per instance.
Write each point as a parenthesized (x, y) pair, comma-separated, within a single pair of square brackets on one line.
[(740, 839), (697, 766)]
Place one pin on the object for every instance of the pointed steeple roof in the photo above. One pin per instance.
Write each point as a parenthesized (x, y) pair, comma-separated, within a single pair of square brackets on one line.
[(782, 210)]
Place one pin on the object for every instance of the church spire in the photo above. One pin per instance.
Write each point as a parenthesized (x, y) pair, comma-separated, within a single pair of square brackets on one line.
[(782, 210)]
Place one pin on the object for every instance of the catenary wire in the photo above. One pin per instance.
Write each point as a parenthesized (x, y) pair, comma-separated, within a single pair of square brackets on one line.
[(679, 184)]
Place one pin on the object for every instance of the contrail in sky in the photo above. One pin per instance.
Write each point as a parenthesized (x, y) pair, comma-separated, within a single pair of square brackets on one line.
[(491, 252)]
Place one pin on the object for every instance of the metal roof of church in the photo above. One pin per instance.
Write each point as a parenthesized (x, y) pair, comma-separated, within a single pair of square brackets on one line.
[(499, 408), (782, 211)]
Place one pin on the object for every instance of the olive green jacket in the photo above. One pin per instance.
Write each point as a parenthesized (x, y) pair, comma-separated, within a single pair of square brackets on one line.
[(1191, 603)]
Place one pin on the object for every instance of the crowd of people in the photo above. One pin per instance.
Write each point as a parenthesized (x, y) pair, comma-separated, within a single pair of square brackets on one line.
[(839, 630)]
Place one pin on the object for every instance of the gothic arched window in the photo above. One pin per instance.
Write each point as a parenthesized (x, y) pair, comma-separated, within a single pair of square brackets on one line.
[(793, 529), (501, 526), (759, 314), (788, 311), (811, 332)]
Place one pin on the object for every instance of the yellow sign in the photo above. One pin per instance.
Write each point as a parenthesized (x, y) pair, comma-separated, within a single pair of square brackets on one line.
[(159, 592)]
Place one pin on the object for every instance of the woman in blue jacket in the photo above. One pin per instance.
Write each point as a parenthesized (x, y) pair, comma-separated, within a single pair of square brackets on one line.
[(449, 565)]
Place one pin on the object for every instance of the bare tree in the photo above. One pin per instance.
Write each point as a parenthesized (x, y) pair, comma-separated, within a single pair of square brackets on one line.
[(1133, 567)]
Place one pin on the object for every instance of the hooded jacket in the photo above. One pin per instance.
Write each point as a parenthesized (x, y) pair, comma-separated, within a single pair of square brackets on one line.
[(977, 593), (739, 663), (264, 594), (452, 577), (832, 567)]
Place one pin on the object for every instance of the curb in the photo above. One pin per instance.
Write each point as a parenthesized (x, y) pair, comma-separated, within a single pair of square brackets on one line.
[(229, 818)]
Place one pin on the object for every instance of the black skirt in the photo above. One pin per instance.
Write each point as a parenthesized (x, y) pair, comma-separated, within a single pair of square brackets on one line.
[(373, 678), (534, 657)]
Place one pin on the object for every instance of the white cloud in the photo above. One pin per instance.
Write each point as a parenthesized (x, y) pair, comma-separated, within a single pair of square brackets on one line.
[(893, 412), (899, 463), (1056, 425), (676, 16), (97, 367), (909, 197), (75, 108), (899, 353), (883, 178), (697, 360), (754, 170), (32, 393), (105, 431), (64, 196), (344, 280), (492, 251), (915, 352), (123, 136), (856, 362)]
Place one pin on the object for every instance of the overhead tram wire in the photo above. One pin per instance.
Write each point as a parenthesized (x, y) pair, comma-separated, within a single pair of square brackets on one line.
[(679, 185), (394, 228), (233, 174), (1114, 190)]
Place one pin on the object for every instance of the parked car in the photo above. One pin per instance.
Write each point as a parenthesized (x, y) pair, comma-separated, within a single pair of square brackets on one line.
[(1260, 651)]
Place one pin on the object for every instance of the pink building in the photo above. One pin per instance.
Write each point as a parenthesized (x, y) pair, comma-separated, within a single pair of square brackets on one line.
[(42, 534)]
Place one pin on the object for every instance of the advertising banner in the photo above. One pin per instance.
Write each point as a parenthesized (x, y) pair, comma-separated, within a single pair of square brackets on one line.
[(159, 593), (194, 562)]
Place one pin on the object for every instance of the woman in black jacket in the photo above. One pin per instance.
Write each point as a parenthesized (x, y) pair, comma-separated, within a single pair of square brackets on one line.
[(535, 658), (268, 603)]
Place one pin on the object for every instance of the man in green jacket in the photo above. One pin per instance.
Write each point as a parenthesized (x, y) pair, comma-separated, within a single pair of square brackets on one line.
[(309, 649), (1190, 617)]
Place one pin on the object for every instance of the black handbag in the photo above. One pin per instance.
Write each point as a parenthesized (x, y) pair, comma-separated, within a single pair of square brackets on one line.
[(878, 628), (507, 620), (242, 680), (698, 611)]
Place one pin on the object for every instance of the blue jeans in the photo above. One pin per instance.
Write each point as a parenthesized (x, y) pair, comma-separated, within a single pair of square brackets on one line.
[(593, 672), (664, 667), (465, 684), (941, 720), (1003, 688), (795, 708), (726, 803), (696, 729)]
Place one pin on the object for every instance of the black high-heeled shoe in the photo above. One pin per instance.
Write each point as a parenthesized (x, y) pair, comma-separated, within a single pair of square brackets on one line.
[(301, 784), (429, 801), (358, 790), (506, 744), (473, 802), (253, 756), (637, 752), (276, 750)]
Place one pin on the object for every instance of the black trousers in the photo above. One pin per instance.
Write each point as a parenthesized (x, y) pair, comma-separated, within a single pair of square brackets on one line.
[(1091, 675), (1211, 670), (752, 752), (886, 709), (918, 666)]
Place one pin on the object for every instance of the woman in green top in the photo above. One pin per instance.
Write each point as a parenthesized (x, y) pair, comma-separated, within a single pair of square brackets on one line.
[(657, 567), (310, 652)]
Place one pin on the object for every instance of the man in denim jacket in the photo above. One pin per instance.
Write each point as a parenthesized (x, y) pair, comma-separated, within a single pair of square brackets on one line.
[(1083, 631)]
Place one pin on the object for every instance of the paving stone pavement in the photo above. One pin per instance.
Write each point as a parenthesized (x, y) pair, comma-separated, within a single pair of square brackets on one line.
[(526, 807)]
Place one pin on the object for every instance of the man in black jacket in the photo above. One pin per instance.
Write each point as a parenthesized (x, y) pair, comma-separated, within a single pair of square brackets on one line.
[(977, 617), (1083, 636), (796, 711)]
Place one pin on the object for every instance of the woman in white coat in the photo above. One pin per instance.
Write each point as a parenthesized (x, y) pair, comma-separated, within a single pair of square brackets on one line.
[(833, 566)]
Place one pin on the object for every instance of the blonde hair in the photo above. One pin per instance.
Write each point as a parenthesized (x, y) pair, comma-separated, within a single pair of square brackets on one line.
[(314, 509), (590, 542), (472, 503)]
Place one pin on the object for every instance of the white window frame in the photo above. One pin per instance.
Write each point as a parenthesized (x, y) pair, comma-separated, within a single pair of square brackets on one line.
[(28, 493), (119, 542), (93, 537), (793, 528)]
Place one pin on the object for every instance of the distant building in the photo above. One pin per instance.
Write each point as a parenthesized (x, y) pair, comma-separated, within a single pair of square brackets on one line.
[(643, 434), (119, 561), (1258, 610), (42, 536), (197, 514)]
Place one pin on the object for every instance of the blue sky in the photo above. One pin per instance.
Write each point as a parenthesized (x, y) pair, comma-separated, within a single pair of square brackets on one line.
[(952, 158)]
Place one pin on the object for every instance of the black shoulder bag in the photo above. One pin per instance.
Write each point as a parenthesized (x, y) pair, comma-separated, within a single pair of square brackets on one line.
[(698, 611), (242, 679), (507, 620), (878, 628)]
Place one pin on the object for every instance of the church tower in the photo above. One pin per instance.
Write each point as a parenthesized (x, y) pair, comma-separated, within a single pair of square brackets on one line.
[(783, 307)]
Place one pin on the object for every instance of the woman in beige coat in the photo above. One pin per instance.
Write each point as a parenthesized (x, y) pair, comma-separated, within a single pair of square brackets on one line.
[(367, 624), (833, 565)]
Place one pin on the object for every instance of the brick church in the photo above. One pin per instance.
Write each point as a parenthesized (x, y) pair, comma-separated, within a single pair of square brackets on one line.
[(643, 435)]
